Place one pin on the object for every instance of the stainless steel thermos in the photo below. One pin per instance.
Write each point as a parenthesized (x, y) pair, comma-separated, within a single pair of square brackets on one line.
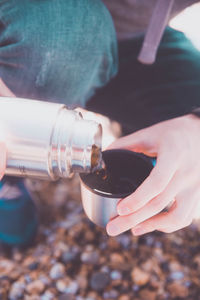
[(47, 140)]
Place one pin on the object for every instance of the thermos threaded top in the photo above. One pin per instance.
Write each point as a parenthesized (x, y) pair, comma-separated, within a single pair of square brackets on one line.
[(47, 140)]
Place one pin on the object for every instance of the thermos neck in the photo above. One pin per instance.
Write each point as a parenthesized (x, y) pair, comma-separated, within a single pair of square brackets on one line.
[(76, 144)]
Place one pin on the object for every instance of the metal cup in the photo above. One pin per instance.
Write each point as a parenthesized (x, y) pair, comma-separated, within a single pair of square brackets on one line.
[(127, 169)]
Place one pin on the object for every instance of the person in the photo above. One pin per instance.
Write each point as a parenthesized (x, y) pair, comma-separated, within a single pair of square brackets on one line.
[(69, 52)]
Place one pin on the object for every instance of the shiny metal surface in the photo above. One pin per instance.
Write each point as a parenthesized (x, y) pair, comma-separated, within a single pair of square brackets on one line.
[(98, 209), (46, 140)]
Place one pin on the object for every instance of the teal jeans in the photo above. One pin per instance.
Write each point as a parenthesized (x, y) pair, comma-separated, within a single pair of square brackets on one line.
[(59, 51)]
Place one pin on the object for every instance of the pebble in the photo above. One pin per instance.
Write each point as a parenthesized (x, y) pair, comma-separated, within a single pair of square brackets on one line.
[(124, 297), (57, 271), (27, 278), (124, 240), (112, 294), (31, 297), (66, 297), (178, 290), (116, 275), (6, 267), (99, 281), (135, 288), (67, 286), (33, 266), (139, 277), (82, 282), (146, 294), (90, 257), (35, 287), (47, 296), (149, 240), (177, 275), (116, 259), (70, 255), (105, 269), (17, 290)]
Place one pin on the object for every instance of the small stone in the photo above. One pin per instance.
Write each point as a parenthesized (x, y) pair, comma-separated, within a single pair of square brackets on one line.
[(146, 294), (92, 296), (116, 275), (31, 297), (27, 278), (66, 297), (44, 279), (69, 256), (177, 275), (116, 259), (82, 282), (6, 267), (33, 266), (177, 290), (57, 271), (135, 288), (47, 296), (124, 297), (67, 286), (35, 287), (17, 290), (90, 257), (139, 277), (113, 294), (124, 240), (99, 281), (72, 288), (149, 240), (105, 269)]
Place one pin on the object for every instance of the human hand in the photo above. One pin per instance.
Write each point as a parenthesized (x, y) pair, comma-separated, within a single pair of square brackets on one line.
[(176, 177), (2, 159)]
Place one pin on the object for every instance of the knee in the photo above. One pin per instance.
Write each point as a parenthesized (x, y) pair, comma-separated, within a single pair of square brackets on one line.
[(63, 42)]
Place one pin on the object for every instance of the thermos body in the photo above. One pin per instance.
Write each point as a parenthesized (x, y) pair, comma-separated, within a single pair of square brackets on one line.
[(46, 140)]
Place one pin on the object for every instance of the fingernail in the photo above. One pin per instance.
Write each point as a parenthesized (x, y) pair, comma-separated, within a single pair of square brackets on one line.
[(138, 230), (123, 211), (113, 229)]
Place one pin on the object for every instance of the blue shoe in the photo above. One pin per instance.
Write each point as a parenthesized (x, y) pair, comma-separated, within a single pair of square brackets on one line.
[(18, 215)]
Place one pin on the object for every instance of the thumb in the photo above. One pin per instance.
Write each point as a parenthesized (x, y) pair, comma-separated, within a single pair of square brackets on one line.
[(139, 141)]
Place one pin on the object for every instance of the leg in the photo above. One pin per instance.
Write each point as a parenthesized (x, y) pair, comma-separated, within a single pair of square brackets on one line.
[(56, 50), (141, 95)]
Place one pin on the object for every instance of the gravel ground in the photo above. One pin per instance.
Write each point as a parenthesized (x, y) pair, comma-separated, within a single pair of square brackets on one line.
[(73, 259)]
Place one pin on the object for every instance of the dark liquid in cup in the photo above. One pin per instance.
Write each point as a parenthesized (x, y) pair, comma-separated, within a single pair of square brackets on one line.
[(105, 180), (123, 171)]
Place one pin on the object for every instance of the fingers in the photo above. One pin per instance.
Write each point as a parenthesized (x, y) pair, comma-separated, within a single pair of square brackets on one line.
[(179, 216), (2, 159), (152, 208), (124, 223), (153, 185)]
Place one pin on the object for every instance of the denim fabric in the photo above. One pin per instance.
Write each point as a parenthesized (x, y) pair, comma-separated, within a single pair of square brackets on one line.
[(56, 50), (18, 215)]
